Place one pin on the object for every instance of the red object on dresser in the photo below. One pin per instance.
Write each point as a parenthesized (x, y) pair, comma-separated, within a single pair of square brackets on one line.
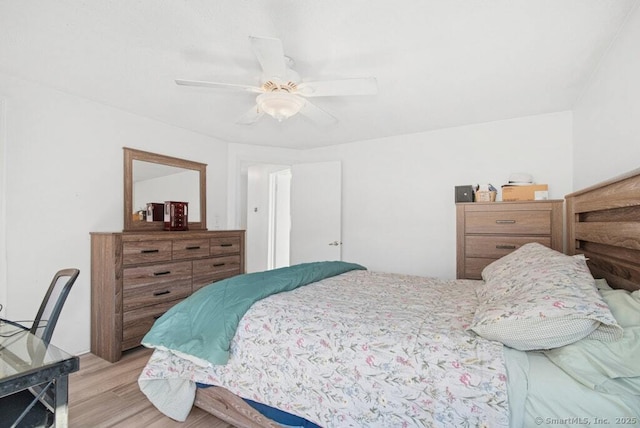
[(176, 215)]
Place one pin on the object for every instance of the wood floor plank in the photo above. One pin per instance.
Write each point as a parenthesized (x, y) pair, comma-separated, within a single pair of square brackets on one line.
[(104, 395), (97, 377)]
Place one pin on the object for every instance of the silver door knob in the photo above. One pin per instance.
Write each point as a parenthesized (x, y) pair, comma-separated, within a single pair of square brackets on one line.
[(335, 243)]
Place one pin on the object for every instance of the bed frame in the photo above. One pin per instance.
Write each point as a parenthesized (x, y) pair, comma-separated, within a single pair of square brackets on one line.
[(230, 408), (603, 223)]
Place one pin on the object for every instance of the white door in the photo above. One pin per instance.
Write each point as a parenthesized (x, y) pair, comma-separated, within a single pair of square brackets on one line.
[(316, 195)]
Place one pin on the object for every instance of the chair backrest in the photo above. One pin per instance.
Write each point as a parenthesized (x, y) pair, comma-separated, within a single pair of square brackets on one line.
[(52, 304)]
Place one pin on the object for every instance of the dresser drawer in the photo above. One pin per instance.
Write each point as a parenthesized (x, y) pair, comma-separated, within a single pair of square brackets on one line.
[(146, 252), (509, 222), (138, 322), (190, 248), (150, 285), (221, 246), (496, 246), (214, 269)]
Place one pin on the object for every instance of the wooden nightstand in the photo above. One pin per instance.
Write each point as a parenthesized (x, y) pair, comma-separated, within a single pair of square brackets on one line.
[(486, 231)]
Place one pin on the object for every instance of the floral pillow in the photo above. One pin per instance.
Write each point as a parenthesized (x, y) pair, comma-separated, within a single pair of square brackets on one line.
[(537, 298)]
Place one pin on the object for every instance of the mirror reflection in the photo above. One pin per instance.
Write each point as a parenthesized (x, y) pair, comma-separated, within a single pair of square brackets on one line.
[(151, 179), (157, 183)]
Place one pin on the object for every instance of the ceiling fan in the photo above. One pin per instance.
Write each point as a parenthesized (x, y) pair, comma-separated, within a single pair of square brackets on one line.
[(282, 94)]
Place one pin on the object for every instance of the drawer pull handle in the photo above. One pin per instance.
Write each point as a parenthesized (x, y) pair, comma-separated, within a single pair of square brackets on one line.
[(505, 221), (161, 293), (226, 245), (166, 272), (194, 248), (149, 251), (506, 247), (218, 264)]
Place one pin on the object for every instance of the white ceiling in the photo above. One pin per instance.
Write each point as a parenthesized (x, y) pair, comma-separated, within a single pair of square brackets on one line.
[(438, 63)]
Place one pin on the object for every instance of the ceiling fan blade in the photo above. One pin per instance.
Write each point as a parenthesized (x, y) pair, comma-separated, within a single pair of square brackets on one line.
[(219, 85), (270, 54), (251, 116), (317, 115), (330, 88)]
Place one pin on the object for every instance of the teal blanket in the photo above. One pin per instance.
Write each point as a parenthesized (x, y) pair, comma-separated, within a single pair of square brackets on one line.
[(204, 324)]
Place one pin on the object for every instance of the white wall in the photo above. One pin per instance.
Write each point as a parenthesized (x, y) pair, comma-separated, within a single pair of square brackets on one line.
[(607, 117), (64, 179), (398, 192)]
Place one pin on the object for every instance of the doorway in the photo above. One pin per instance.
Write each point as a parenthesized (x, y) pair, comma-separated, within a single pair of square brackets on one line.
[(279, 219), (268, 216), (293, 214)]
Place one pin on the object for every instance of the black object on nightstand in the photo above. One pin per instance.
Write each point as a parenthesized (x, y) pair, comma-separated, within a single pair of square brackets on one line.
[(464, 193)]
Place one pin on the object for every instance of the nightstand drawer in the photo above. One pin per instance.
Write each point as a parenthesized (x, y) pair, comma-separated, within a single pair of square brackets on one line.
[(509, 222), (150, 285), (496, 246), (474, 266), (190, 248), (146, 252)]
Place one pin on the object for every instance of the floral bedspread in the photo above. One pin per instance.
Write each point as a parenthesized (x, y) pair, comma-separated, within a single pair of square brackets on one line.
[(360, 349)]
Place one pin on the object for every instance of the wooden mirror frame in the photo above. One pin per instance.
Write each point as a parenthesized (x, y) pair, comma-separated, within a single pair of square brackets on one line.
[(132, 154)]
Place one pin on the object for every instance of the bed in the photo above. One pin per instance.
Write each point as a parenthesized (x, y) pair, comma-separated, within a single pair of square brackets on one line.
[(538, 342)]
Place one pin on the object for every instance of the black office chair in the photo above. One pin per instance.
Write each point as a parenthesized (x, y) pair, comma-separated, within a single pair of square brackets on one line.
[(33, 407)]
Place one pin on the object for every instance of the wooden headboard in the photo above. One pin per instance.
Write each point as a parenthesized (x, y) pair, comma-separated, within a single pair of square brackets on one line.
[(603, 223)]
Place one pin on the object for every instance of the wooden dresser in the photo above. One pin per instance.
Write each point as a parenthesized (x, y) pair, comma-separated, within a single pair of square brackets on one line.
[(486, 231), (137, 276)]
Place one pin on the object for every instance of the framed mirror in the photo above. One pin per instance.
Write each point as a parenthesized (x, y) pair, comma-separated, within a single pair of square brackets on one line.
[(150, 178)]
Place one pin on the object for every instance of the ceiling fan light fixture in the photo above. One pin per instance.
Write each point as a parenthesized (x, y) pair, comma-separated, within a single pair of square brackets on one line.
[(280, 105)]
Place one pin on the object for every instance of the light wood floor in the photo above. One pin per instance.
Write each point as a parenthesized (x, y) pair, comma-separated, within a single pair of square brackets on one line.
[(102, 394)]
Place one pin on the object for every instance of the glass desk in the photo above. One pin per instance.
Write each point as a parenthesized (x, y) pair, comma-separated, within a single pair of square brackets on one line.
[(25, 362)]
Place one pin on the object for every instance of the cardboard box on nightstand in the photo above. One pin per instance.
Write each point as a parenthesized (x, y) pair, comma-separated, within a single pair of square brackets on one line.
[(533, 192)]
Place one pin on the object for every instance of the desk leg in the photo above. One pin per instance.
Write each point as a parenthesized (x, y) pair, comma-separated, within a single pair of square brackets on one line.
[(61, 402)]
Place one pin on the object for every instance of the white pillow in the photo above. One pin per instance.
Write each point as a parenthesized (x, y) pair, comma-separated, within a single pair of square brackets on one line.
[(609, 367), (624, 306)]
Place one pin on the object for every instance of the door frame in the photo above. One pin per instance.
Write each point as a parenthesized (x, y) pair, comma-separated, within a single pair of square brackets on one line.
[(3, 205), (279, 213)]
